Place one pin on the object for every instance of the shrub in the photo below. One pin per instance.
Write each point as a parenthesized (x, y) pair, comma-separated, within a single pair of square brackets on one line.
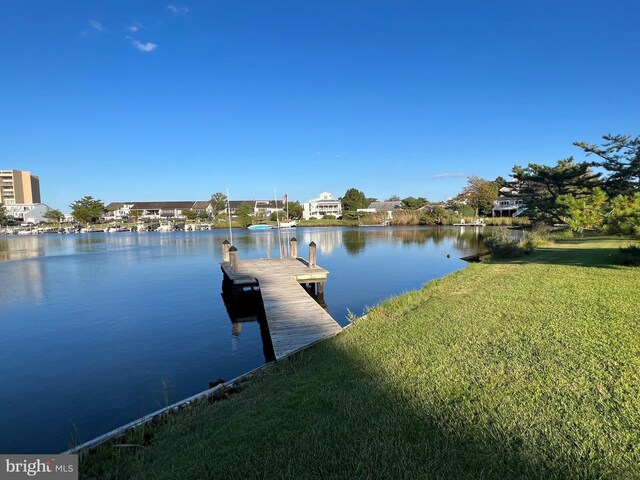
[(502, 245), (630, 255), (539, 236), (566, 234), (329, 217)]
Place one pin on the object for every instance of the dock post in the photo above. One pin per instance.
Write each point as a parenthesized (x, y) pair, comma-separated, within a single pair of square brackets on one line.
[(233, 254), (320, 294), (312, 254), (225, 250), (294, 247)]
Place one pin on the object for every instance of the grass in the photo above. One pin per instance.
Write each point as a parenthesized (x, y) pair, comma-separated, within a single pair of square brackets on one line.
[(528, 368)]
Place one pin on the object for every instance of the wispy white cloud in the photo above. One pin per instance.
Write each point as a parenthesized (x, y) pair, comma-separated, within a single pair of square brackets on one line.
[(449, 175), (135, 26), (178, 9), (97, 26), (143, 47)]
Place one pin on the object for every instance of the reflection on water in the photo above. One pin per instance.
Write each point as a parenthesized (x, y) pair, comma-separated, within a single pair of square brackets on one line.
[(17, 247), (243, 309), (93, 324)]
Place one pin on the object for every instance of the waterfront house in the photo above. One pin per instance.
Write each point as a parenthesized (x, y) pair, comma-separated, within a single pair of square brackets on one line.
[(122, 211), (27, 212), (320, 207), (264, 207), (508, 204), (383, 207), (117, 211)]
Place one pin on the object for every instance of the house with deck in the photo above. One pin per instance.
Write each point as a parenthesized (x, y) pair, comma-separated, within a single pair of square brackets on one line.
[(322, 206), (508, 204)]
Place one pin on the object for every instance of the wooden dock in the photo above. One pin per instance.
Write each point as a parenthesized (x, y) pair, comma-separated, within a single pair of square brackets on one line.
[(294, 318)]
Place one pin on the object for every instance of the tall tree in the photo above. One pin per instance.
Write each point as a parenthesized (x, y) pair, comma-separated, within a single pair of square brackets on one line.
[(541, 185), (353, 199), (218, 203), (393, 198), (500, 182), (412, 203), (244, 214), (53, 215), (620, 156), (3, 216), (479, 194), (295, 210), (87, 209)]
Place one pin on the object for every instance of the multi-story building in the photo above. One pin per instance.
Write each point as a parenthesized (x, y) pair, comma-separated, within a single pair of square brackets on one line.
[(27, 212), (19, 187), (165, 210), (322, 206), (147, 210)]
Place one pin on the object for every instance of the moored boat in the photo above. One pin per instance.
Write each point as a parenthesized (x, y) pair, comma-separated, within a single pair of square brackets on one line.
[(260, 226)]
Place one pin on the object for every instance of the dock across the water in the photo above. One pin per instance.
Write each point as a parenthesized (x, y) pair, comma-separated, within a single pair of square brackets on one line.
[(295, 320)]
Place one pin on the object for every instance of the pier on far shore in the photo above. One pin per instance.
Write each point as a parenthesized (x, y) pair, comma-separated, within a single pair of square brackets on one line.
[(295, 320)]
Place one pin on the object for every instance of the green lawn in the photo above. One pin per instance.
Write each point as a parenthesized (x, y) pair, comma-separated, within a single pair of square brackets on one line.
[(522, 369)]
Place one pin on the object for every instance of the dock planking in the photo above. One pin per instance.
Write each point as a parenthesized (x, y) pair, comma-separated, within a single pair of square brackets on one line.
[(294, 318)]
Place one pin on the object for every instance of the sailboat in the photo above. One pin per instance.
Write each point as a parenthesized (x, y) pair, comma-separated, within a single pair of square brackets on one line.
[(290, 223)]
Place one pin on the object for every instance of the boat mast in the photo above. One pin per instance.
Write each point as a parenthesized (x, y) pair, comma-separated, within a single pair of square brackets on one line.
[(275, 197), (229, 215)]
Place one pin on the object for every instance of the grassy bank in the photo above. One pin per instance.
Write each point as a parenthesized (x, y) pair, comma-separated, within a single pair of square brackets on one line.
[(522, 369)]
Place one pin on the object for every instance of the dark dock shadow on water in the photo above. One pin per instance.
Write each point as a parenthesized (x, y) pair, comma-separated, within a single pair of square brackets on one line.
[(244, 308)]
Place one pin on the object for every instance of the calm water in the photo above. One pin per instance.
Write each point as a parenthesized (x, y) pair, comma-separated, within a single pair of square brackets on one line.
[(97, 328)]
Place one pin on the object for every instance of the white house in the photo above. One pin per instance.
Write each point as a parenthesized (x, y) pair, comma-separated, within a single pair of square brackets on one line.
[(322, 206), (27, 212), (384, 207), (508, 204)]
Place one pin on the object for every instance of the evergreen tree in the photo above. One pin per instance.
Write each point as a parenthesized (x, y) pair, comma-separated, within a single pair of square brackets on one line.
[(190, 214), (541, 185), (87, 210), (244, 214), (353, 199), (620, 156), (412, 203), (295, 210)]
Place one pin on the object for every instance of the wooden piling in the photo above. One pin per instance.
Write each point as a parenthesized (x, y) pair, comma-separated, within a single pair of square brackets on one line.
[(225, 250), (233, 254), (312, 254), (294, 247)]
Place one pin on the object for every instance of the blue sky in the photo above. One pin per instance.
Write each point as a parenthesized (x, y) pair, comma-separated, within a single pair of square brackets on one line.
[(168, 100)]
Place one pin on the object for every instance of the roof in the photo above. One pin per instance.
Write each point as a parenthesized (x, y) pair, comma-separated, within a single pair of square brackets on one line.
[(234, 204), (113, 206), (386, 206), (201, 204), (163, 205), (269, 204)]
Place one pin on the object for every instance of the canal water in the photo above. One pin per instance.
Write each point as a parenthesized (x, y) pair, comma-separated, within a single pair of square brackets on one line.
[(99, 329)]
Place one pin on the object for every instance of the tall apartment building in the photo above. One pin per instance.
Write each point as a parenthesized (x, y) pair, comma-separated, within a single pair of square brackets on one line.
[(17, 187)]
